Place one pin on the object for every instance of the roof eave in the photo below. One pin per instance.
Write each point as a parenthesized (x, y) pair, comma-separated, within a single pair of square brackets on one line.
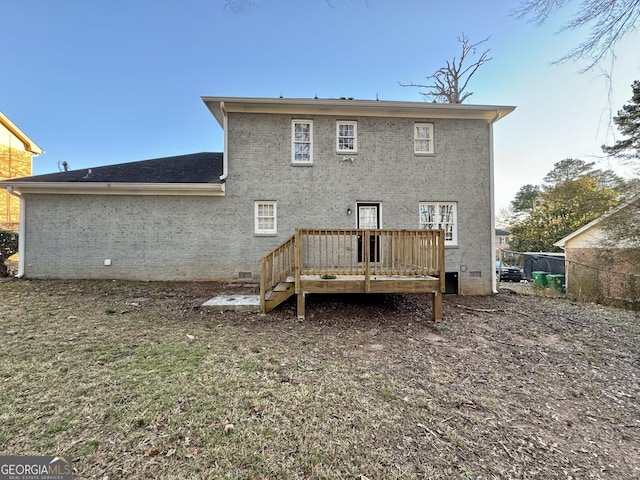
[(490, 113), (117, 188), (563, 241), (29, 145)]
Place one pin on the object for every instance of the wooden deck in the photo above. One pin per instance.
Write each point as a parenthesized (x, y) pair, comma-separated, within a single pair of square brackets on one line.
[(354, 261)]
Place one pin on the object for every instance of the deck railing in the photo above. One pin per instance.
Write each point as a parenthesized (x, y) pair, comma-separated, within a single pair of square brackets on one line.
[(353, 252), (380, 252), (276, 266)]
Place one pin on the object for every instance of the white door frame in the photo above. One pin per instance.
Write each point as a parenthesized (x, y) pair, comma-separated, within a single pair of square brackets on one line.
[(378, 206)]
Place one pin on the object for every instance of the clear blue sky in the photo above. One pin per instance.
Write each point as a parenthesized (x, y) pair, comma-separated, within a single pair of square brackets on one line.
[(97, 82)]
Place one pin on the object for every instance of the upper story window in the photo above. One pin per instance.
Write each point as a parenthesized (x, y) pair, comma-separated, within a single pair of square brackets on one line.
[(423, 138), (265, 218), (302, 142), (441, 216), (347, 137)]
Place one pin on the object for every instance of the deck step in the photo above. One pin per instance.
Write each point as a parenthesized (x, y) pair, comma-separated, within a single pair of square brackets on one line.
[(283, 286), (278, 294)]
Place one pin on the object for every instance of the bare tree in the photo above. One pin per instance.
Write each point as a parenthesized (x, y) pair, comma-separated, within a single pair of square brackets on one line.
[(450, 82), (608, 20)]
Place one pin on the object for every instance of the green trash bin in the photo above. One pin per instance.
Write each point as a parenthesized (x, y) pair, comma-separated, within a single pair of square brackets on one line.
[(539, 279), (556, 282)]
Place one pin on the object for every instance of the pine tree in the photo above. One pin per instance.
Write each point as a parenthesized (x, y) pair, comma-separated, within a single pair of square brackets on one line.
[(628, 123)]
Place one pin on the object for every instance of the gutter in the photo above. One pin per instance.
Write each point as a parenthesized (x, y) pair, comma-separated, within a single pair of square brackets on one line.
[(494, 285), (22, 228), (225, 154), (310, 106), (115, 188)]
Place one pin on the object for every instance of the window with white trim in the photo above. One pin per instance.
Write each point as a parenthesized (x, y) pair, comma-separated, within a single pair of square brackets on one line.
[(441, 216), (265, 218), (346, 137), (423, 138), (302, 142)]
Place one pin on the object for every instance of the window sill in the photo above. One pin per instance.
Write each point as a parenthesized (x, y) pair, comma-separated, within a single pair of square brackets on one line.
[(300, 164), (255, 234), (424, 154), (344, 152)]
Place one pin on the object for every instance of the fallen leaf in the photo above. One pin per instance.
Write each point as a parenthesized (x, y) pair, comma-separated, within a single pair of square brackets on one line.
[(191, 452), (170, 452), (228, 427), (154, 452), (191, 337)]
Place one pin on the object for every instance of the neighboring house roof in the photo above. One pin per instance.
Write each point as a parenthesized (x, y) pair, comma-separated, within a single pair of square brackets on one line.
[(502, 233), (219, 106), (29, 145), (594, 223), (198, 173)]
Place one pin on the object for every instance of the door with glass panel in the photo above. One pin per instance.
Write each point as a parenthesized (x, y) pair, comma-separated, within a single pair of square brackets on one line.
[(369, 218)]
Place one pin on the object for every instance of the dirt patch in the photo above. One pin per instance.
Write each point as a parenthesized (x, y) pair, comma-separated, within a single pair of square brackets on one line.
[(135, 380)]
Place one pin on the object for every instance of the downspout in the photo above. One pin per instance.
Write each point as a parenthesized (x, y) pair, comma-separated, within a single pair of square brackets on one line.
[(21, 236), (225, 154), (494, 285)]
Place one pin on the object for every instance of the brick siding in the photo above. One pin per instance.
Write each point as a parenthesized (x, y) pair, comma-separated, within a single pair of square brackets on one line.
[(168, 237)]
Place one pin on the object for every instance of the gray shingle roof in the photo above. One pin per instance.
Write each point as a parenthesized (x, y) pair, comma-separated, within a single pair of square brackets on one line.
[(205, 167)]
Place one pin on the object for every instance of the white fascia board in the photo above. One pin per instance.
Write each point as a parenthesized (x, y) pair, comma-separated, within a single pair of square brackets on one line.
[(370, 108), (562, 242), (117, 188), (29, 145)]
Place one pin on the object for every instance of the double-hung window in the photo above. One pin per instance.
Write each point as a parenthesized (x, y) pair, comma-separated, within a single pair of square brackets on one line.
[(302, 142), (423, 138), (440, 216), (265, 218), (346, 137)]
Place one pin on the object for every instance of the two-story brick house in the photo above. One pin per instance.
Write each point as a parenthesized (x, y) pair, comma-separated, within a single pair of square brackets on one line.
[(16, 154), (287, 164)]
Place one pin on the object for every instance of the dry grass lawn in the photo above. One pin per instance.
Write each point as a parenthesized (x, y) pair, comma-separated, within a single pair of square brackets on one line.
[(136, 381)]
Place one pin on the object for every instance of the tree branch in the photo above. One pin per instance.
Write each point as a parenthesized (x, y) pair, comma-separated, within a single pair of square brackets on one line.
[(450, 82), (609, 21)]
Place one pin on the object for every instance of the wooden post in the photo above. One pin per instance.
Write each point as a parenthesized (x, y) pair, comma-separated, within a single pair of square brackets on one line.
[(263, 286), (298, 259), (366, 242), (441, 268), (436, 306), (301, 296)]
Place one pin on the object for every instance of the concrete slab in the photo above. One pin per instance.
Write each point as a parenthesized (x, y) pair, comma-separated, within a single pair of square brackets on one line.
[(237, 303)]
